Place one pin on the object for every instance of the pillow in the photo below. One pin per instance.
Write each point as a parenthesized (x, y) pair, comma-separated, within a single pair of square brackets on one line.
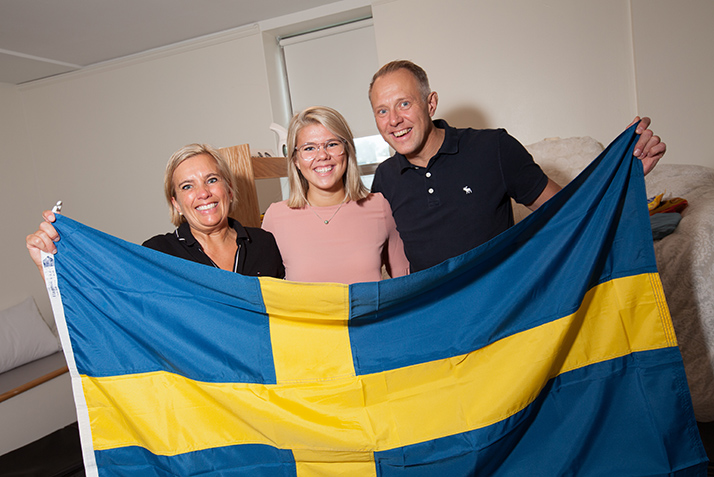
[(562, 160), (24, 336)]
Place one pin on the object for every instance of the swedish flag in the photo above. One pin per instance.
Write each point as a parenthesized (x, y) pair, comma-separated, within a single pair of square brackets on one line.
[(547, 351)]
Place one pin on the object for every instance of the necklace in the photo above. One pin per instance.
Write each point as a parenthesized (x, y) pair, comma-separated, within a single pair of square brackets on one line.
[(327, 222)]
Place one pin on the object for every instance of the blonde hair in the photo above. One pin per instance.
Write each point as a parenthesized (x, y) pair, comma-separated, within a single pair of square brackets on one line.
[(337, 125), (187, 152)]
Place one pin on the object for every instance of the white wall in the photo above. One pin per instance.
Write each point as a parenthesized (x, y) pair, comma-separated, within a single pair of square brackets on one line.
[(19, 195), (562, 67), (99, 140), (674, 56), (103, 137), (539, 69)]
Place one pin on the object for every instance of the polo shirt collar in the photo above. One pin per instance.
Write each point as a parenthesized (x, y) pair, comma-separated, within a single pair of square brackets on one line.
[(449, 146), (183, 232)]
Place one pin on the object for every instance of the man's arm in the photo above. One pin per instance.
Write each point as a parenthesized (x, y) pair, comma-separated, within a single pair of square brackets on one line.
[(551, 188)]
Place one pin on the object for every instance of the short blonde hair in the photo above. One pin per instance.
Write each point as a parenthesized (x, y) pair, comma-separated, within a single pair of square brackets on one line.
[(187, 152), (334, 122)]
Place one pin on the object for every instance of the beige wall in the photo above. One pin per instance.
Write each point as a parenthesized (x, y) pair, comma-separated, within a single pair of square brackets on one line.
[(674, 58), (103, 137), (563, 68), (539, 69), (19, 195), (99, 139)]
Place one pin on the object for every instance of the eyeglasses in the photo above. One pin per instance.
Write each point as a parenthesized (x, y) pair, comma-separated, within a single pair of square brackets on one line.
[(310, 150)]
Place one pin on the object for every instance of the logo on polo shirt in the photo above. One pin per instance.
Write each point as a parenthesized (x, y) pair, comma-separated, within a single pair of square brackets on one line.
[(467, 189)]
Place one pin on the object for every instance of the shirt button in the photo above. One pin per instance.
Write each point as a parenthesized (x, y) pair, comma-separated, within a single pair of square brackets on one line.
[(428, 174), (431, 191)]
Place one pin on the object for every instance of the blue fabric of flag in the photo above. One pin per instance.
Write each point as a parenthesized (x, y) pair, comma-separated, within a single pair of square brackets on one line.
[(578, 239), (115, 337), (131, 311)]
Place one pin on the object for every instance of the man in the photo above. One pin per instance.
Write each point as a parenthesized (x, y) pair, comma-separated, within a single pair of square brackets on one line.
[(450, 189)]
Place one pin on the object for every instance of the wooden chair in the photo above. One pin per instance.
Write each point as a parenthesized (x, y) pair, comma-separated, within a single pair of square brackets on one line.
[(246, 170)]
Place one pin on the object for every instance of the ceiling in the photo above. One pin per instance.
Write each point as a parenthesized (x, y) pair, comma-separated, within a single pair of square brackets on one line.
[(42, 38)]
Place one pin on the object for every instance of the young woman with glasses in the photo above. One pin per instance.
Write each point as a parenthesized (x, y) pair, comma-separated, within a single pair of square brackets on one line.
[(331, 229)]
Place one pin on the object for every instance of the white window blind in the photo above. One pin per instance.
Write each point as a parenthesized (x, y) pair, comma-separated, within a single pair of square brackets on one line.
[(333, 67)]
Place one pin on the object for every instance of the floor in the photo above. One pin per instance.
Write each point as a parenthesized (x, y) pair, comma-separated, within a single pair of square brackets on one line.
[(706, 430)]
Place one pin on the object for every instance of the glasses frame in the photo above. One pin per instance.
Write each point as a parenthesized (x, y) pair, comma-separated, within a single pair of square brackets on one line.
[(321, 146)]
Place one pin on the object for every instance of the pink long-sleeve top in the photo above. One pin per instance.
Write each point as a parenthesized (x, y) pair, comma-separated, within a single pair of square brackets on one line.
[(349, 249)]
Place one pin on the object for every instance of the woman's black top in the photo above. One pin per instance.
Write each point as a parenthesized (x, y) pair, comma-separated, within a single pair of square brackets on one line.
[(258, 254)]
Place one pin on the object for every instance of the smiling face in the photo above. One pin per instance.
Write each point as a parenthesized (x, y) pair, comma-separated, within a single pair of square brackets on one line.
[(403, 116), (201, 194), (324, 173)]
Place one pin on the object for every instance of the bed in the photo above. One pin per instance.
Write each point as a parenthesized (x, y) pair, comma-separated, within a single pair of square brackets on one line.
[(685, 258)]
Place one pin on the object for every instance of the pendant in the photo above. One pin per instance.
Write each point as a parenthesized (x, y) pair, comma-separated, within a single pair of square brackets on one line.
[(327, 221)]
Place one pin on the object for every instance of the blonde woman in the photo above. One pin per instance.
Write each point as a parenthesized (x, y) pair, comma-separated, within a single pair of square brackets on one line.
[(200, 194), (331, 229)]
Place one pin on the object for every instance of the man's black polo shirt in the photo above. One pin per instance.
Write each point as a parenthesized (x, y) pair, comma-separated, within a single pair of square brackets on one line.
[(462, 198)]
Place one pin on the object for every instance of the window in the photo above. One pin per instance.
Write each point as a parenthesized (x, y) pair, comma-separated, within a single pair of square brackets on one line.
[(333, 67)]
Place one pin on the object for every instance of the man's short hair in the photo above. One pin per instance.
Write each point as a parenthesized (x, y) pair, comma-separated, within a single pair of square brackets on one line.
[(414, 69)]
